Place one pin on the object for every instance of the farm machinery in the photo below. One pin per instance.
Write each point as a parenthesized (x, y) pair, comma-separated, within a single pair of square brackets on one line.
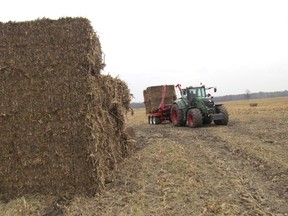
[(158, 102), (194, 107)]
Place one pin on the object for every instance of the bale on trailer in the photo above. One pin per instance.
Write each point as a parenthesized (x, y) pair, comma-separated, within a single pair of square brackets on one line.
[(153, 97), (61, 122)]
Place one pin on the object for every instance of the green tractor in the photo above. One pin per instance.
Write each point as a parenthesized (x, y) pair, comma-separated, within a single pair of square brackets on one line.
[(196, 108)]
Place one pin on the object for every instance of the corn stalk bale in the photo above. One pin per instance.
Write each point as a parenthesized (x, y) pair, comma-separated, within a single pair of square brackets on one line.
[(61, 121)]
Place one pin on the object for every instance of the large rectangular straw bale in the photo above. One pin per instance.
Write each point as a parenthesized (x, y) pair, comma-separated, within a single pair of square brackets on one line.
[(153, 97), (61, 121)]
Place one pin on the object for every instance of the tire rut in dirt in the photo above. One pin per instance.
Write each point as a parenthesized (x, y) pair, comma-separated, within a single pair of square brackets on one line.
[(149, 132), (231, 177), (273, 171)]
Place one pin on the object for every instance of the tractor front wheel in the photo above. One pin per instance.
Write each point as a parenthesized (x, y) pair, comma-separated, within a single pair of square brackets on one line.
[(177, 116), (194, 118), (224, 121), (207, 120)]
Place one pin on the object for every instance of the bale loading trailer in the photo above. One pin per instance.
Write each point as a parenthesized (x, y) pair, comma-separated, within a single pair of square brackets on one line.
[(158, 102)]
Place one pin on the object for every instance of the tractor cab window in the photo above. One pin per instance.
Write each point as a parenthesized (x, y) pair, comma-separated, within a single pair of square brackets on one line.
[(201, 92), (197, 92), (192, 92)]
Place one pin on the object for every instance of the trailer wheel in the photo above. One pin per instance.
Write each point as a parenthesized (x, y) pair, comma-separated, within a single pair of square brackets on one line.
[(177, 116), (150, 119), (194, 118), (223, 110), (157, 120)]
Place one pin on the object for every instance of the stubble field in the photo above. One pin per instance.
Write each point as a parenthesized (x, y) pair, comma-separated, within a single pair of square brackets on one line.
[(238, 169)]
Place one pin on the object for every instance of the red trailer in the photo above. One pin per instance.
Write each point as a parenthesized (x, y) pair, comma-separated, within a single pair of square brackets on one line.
[(165, 95)]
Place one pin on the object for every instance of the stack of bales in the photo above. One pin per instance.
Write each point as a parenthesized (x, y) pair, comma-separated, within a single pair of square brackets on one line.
[(61, 121), (153, 97)]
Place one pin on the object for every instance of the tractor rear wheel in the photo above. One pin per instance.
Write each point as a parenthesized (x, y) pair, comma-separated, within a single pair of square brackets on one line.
[(177, 116), (223, 110), (194, 118)]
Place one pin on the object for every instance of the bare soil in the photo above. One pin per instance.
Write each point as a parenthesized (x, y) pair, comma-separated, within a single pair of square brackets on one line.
[(238, 169)]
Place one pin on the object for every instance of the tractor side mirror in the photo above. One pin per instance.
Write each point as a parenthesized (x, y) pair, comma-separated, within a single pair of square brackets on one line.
[(215, 89)]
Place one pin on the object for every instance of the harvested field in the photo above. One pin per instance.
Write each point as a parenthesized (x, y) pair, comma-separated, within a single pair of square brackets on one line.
[(239, 169)]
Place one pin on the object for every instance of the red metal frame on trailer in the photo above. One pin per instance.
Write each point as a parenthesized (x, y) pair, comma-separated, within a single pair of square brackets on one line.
[(163, 112)]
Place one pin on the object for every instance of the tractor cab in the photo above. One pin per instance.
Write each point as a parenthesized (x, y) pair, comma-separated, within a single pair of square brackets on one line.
[(195, 95), (197, 91), (193, 92)]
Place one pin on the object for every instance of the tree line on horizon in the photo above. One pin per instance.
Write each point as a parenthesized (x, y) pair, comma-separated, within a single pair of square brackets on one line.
[(246, 96)]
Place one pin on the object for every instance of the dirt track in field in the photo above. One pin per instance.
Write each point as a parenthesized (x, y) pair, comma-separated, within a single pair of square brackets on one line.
[(239, 169)]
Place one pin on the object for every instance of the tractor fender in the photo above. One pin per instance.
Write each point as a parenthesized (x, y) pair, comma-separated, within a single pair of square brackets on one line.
[(181, 104)]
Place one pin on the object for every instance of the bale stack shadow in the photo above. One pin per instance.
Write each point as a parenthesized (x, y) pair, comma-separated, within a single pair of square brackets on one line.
[(62, 123)]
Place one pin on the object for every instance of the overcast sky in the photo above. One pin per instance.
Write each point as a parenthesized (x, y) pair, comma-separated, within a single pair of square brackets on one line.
[(233, 45)]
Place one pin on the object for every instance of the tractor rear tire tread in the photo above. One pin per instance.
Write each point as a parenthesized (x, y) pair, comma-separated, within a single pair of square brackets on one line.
[(177, 116)]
